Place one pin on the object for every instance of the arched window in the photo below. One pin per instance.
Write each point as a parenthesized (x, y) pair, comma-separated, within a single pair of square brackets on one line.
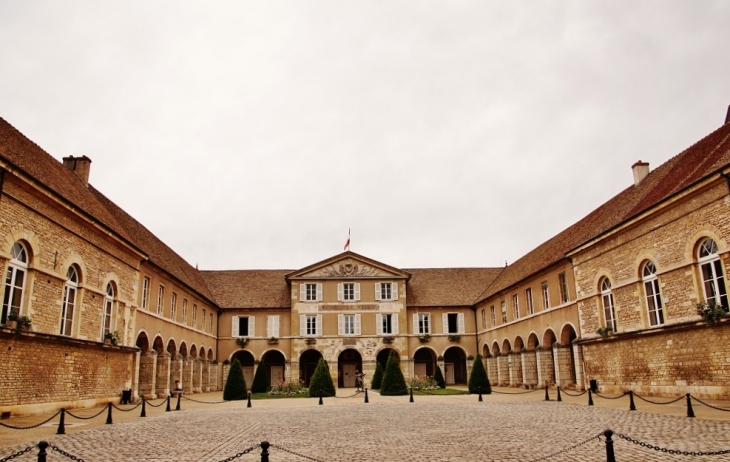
[(653, 295), (713, 281), (609, 314), (15, 281), (106, 325), (69, 300)]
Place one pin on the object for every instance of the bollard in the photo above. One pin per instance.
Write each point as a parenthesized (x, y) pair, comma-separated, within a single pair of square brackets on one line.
[(62, 423), (590, 398), (144, 411), (632, 406), (690, 411), (109, 414), (559, 397), (547, 397), (167, 409), (609, 446), (320, 398), (42, 445), (480, 396), (265, 451), (411, 388), (177, 407), (249, 400), (366, 396)]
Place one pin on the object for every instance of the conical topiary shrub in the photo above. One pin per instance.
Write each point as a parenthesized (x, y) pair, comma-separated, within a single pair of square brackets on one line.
[(235, 388), (321, 381), (439, 377), (393, 382), (261, 382), (478, 380), (377, 377)]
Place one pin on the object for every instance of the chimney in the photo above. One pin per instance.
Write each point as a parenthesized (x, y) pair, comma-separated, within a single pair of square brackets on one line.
[(81, 166), (641, 169)]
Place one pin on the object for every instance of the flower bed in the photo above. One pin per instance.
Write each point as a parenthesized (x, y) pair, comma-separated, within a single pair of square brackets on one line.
[(290, 389)]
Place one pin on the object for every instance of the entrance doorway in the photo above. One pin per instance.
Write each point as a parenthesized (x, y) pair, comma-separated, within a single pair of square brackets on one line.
[(307, 363), (274, 362), (449, 373), (246, 359), (456, 358), (424, 362), (348, 363)]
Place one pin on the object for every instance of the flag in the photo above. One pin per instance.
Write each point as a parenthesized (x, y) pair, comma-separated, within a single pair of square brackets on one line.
[(347, 243)]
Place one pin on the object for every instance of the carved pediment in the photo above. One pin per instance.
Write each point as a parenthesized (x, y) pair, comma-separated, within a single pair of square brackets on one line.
[(348, 266)]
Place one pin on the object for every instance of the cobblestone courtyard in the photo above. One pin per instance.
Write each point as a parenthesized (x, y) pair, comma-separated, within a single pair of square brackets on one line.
[(449, 428)]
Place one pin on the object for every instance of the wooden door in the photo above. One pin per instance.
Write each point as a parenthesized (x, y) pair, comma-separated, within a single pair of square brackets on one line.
[(277, 375), (419, 369), (449, 372), (348, 375), (248, 376)]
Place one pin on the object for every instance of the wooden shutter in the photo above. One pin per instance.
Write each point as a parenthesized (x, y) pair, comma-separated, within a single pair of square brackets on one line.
[(357, 324), (302, 292), (394, 323), (445, 322), (341, 324), (319, 292), (272, 327), (460, 321), (234, 326), (416, 330), (394, 291), (357, 291), (377, 291), (251, 326), (303, 325), (341, 292), (319, 324), (379, 324)]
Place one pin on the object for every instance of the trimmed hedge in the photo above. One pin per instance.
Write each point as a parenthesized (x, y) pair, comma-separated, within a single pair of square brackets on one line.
[(393, 382), (321, 381), (377, 377), (478, 380), (439, 377), (261, 382), (235, 388)]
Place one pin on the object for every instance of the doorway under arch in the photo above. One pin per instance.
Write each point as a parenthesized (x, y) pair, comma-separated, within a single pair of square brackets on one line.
[(275, 364), (307, 363), (383, 356), (454, 366), (348, 364), (424, 362), (247, 364)]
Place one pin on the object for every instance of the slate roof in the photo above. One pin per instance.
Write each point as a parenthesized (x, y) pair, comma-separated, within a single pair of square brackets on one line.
[(249, 288), (704, 158), (448, 286)]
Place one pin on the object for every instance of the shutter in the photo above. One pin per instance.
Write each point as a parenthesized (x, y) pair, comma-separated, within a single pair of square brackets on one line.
[(319, 292), (415, 324), (460, 321), (319, 324), (357, 291), (445, 322), (378, 324), (340, 324), (234, 326), (276, 326), (394, 323), (303, 325), (302, 292), (377, 291), (394, 292), (251, 326), (357, 324), (269, 326), (340, 292)]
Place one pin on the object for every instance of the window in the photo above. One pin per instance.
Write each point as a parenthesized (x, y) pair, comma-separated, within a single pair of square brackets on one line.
[(386, 291), (243, 326), (106, 325), (173, 306), (160, 298), (69, 301), (713, 281), (653, 295), (528, 297), (210, 323), (421, 323), (15, 281), (516, 306), (545, 296), (185, 311), (349, 324), (310, 325), (484, 318), (386, 324), (195, 316), (310, 292), (145, 293), (503, 304), (494, 316), (453, 323), (348, 291), (564, 296), (272, 326), (202, 320), (609, 313)]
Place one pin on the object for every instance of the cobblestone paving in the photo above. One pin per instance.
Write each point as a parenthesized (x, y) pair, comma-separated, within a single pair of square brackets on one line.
[(427, 430)]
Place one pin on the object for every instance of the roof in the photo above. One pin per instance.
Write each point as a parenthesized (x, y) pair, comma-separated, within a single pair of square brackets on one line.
[(704, 158), (448, 286), (345, 265), (249, 288)]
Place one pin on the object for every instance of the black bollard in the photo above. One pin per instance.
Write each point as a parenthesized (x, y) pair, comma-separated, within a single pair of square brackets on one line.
[(690, 411), (144, 411), (560, 398), (366, 396), (177, 407), (109, 415), (610, 457), (411, 388), (42, 453), (632, 406), (62, 423), (320, 398), (167, 409), (590, 398), (249, 400), (265, 451), (480, 396), (547, 397)]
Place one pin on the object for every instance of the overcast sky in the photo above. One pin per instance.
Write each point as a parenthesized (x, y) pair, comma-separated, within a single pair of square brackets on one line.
[(453, 133)]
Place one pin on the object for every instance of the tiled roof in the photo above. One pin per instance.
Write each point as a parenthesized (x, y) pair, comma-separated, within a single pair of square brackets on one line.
[(448, 286), (249, 288), (702, 159)]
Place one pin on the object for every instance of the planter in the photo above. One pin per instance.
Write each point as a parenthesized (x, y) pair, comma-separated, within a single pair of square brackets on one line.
[(310, 341), (11, 324)]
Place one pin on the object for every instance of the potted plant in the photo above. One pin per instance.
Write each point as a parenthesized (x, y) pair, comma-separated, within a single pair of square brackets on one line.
[(12, 320), (273, 341), (424, 338), (710, 312), (242, 341), (604, 331), (388, 339), (112, 338), (310, 341), (454, 337), (17, 322)]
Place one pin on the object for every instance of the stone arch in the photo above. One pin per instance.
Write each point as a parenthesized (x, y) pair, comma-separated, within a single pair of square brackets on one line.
[(485, 351), (519, 345), (158, 345), (171, 348), (532, 341), (424, 362), (28, 238), (455, 365), (568, 334), (183, 350), (143, 342), (247, 361), (75, 260), (704, 231), (275, 363), (193, 351), (506, 347), (210, 354), (349, 363), (308, 360), (383, 355), (495, 348), (548, 338)]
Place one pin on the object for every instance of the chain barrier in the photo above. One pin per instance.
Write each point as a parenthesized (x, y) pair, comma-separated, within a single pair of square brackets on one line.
[(241, 454), (516, 392), (66, 454), (673, 451), (125, 410), (710, 405), (17, 454), (573, 394), (563, 451), (210, 402), (294, 453), (328, 395), (32, 426), (164, 400), (655, 402), (87, 418), (607, 397)]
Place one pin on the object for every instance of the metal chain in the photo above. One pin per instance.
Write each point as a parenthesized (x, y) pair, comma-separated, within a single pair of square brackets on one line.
[(608, 397), (203, 402), (64, 453), (674, 451), (572, 394), (164, 400), (241, 453), (33, 426), (654, 402), (87, 418), (126, 410), (295, 453), (562, 451), (17, 454), (710, 405), (518, 392)]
